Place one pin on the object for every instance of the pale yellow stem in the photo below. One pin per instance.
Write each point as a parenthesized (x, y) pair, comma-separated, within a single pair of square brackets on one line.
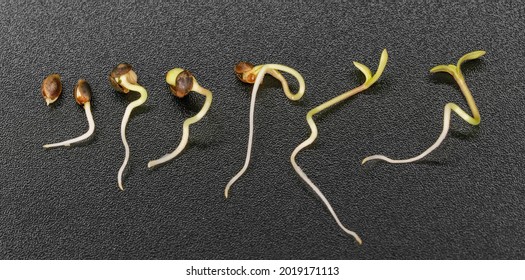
[(370, 79), (449, 108)]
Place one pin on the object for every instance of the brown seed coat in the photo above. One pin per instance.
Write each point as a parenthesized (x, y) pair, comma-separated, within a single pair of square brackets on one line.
[(243, 67), (82, 92), (117, 72), (183, 84), (51, 87)]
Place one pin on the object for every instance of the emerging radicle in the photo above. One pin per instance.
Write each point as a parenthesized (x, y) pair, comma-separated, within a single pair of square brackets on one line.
[(51, 88), (82, 93)]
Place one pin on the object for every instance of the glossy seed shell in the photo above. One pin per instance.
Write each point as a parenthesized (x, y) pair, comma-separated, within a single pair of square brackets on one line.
[(51, 87), (82, 92), (183, 84), (118, 71)]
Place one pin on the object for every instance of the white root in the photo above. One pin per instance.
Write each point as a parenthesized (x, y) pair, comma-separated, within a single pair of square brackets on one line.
[(83, 137)]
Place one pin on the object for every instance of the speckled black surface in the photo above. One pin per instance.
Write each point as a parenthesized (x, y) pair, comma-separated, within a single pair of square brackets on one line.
[(466, 200)]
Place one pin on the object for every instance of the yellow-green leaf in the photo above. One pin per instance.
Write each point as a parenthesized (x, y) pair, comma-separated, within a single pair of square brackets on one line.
[(470, 56), (382, 64), (451, 69), (366, 71)]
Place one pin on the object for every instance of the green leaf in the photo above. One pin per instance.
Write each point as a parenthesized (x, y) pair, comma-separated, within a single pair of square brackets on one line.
[(380, 68), (470, 56), (366, 71), (451, 69)]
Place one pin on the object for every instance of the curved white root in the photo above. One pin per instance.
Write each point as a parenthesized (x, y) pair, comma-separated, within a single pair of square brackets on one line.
[(317, 191), (186, 128), (446, 125), (370, 79), (85, 136), (258, 81), (475, 119), (309, 141), (272, 70), (125, 119)]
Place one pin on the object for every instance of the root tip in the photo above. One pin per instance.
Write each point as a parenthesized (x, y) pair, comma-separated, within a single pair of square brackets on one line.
[(227, 190)]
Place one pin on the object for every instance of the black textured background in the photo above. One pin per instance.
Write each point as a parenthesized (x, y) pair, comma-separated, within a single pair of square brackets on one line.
[(466, 200)]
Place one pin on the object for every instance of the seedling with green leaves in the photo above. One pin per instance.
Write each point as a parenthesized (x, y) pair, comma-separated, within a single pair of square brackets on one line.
[(455, 71), (370, 79)]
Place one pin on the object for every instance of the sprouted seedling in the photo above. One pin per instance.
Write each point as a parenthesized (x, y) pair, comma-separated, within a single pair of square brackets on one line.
[(51, 88), (82, 93), (124, 79), (369, 80), (248, 73), (455, 71), (181, 83)]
